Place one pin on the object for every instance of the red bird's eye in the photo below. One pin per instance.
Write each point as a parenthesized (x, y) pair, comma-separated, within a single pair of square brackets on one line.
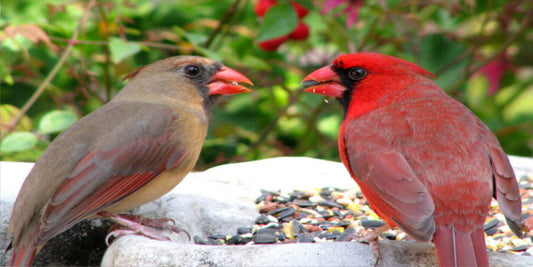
[(357, 73), (192, 70)]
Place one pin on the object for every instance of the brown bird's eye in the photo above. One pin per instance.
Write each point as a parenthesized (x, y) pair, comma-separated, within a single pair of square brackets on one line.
[(192, 70), (357, 73)]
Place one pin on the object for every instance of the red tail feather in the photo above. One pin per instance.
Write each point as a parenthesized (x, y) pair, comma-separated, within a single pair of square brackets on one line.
[(456, 248)]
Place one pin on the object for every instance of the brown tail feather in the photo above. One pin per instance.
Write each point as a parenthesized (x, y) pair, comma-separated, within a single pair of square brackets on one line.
[(24, 247), (22, 256)]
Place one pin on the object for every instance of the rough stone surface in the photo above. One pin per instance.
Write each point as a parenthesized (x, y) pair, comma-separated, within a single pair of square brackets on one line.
[(302, 254), (217, 201)]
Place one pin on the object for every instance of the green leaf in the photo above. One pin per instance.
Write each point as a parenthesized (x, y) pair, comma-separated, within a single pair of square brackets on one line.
[(280, 20), (329, 126), (280, 96), (5, 73), (194, 40), (18, 141), (520, 109), (56, 121), (291, 126), (437, 52), (524, 55), (8, 113), (121, 49)]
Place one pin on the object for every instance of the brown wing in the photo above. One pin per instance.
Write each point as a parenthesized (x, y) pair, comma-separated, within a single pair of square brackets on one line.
[(112, 169)]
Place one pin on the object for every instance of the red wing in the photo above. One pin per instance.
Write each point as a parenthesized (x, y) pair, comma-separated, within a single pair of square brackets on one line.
[(506, 189), (392, 187), (103, 177), (404, 198)]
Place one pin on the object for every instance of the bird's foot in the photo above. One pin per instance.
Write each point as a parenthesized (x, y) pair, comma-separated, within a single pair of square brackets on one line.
[(159, 223), (137, 224), (372, 240), (123, 232)]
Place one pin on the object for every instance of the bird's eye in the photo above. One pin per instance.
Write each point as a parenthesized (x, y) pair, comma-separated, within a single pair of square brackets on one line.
[(357, 73), (192, 70)]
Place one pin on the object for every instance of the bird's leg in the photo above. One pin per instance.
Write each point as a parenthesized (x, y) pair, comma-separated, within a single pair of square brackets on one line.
[(159, 223), (140, 225), (372, 240)]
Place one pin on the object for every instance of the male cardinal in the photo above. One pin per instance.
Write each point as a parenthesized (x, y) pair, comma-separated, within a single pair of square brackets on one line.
[(423, 161), (129, 152)]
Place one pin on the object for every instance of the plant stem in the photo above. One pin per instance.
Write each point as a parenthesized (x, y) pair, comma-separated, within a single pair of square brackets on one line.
[(227, 16), (90, 42), (107, 55), (52, 73), (292, 99), (523, 27), (311, 126)]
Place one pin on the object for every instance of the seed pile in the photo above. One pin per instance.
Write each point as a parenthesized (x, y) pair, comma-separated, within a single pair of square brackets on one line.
[(340, 215)]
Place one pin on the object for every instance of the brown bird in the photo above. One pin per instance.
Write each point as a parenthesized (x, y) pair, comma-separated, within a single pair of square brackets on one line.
[(129, 152)]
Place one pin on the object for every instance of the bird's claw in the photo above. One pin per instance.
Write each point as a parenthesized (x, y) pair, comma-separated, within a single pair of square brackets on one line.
[(372, 240), (141, 225), (142, 230), (159, 223)]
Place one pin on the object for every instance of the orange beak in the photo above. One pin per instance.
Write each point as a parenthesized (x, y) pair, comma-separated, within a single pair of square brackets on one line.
[(226, 82), (324, 81)]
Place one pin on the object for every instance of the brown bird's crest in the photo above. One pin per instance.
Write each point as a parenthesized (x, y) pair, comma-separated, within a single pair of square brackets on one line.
[(132, 74)]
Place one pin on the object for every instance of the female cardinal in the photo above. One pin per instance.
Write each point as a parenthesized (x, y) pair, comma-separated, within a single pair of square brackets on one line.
[(423, 161), (129, 152)]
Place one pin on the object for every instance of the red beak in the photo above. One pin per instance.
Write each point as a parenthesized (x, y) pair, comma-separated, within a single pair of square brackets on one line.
[(226, 82), (324, 81)]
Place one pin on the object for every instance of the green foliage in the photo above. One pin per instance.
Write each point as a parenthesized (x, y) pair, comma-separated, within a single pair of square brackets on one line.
[(121, 49), (56, 121), (280, 20), (436, 50), (18, 141), (452, 39)]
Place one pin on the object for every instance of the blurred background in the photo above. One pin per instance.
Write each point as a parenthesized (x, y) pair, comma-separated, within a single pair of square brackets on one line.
[(60, 60)]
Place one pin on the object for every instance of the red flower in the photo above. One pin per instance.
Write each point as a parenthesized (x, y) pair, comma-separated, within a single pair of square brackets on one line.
[(273, 44), (301, 32), (263, 6), (352, 9), (494, 71)]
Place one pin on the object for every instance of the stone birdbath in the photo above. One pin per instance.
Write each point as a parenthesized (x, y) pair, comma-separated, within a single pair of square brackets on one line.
[(218, 201)]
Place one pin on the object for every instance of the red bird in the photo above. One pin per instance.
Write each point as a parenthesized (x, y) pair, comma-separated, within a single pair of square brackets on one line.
[(423, 161)]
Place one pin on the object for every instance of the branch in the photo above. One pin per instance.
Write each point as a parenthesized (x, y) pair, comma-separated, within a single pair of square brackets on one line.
[(103, 43), (523, 27), (107, 53), (52, 73), (223, 21), (293, 98)]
